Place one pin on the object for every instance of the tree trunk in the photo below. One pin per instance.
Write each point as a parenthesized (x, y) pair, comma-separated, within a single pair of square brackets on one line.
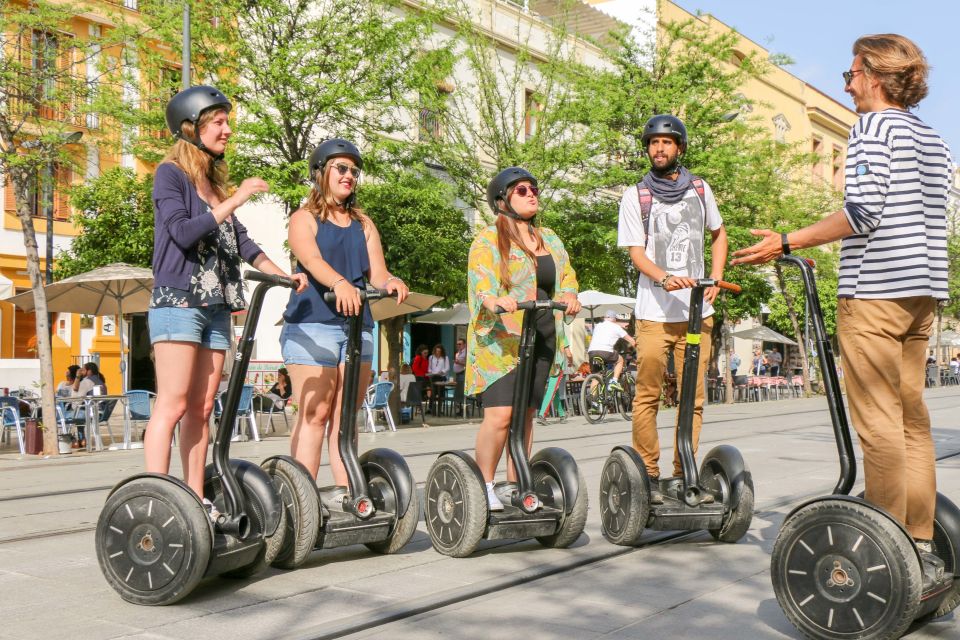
[(393, 331), (21, 188), (791, 311), (728, 374)]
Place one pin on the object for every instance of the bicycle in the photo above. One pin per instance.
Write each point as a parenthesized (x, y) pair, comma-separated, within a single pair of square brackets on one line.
[(598, 397)]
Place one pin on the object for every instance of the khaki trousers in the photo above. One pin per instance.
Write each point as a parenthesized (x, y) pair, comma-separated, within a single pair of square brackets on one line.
[(654, 340), (883, 344)]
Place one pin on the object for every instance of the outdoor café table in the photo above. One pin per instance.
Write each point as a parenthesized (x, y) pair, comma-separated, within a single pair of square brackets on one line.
[(91, 412)]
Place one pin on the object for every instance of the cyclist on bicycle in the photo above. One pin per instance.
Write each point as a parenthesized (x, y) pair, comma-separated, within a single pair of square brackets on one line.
[(602, 345)]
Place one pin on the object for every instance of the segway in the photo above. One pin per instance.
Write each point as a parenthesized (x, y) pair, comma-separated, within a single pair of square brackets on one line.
[(550, 503), (844, 568), (380, 508), (625, 508), (155, 540)]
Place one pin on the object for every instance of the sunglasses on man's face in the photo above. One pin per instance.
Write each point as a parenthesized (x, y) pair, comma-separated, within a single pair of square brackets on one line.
[(343, 168), (522, 191), (848, 75)]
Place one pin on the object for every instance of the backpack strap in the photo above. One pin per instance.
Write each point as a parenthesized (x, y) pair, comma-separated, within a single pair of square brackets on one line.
[(645, 196)]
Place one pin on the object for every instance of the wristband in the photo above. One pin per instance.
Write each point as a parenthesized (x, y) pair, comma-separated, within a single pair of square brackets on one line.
[(390, 279), (663, 283), (784, 245), (337, 282)]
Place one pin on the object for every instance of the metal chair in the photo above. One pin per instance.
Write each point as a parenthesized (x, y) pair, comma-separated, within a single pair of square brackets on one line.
[(378, 399), (139, 407), (244, 411), (10, 408), (268, 406)]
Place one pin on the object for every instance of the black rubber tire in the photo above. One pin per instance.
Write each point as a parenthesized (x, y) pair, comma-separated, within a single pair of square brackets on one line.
[(213, 491), (948, 552), (153, 541), (738, 517), (298, 493), (881, 594), (381, 490), (624, 500), (592, 399), (454, 507), (625, 397), (550, 490)]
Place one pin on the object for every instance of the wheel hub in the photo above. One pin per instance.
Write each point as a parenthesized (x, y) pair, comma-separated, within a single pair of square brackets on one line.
[(838, 578), (445, 506)]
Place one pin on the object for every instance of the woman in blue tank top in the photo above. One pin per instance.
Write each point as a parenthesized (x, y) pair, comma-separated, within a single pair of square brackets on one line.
[(338, 247)]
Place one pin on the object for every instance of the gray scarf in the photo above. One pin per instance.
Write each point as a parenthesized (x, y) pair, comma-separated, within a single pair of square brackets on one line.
[(667, 190)]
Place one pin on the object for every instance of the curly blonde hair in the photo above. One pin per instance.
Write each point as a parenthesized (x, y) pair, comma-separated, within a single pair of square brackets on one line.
[(196, 163), (898, 64), (321, 202)]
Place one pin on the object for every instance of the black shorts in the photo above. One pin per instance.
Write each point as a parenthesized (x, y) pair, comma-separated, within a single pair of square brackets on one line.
[(500, 393), (609, 357)]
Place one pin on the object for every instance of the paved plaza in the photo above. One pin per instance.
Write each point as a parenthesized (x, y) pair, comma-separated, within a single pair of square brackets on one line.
[(669, 587)]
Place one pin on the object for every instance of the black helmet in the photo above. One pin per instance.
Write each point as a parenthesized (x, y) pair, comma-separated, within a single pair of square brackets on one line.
[(190, 104), (497, 189), (665, 125), (332, 148)]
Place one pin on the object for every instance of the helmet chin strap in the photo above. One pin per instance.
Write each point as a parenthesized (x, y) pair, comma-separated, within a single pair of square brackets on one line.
[(510, 212), (198, 143), (667, 171)]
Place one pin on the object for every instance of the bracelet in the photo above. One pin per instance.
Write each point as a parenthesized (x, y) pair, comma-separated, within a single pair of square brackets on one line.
[(784, 245), (663, 282), (388, 280), (337, 282)]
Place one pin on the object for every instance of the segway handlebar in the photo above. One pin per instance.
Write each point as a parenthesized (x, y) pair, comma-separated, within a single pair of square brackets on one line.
[(535, 304), (270, 278), (710, 282), (368, 295)]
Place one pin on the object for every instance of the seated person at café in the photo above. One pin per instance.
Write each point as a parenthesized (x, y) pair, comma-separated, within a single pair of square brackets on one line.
[(280, 392), (65, 388), (88, 380)]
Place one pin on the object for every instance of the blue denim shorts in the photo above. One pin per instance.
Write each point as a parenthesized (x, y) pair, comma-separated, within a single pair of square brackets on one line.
[(320, 345), (208, 326)]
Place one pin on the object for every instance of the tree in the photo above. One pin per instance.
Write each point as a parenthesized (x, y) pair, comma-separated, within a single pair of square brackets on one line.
[(52, 82), (425, 240), (116, 200)]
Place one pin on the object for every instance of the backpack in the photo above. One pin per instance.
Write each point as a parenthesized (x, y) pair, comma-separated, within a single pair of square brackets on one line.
[(646, 204)]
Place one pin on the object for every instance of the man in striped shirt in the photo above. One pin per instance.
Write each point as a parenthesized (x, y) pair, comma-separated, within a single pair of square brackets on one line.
[(893, 269)]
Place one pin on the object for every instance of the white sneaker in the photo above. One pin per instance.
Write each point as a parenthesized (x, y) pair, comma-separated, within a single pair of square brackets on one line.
[(211, 511), (493, 502)]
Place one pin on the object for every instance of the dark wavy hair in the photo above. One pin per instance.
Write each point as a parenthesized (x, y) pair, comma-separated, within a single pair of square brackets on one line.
[(898, 64)]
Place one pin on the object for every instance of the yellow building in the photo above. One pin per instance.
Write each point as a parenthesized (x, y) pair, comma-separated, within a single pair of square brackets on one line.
[(76, 338)]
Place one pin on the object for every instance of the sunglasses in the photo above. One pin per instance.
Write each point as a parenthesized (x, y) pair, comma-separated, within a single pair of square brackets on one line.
[(522, 191), (848, 75), (343, 168)]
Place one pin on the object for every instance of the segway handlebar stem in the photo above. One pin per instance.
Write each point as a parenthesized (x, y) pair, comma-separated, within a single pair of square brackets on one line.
[(838, 414), (236, 521)]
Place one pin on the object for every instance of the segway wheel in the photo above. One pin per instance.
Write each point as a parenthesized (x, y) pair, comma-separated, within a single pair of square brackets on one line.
[(153, 541), (624, 499), (549, 488), (272, 544), (625, 397), (841, 569), (298, 493), (738, 517), (455, 507), (381, 490), (946, 542), (592, 399)]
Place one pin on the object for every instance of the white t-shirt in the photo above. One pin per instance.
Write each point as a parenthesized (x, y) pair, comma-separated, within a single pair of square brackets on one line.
[(605, 336), (676, 245)]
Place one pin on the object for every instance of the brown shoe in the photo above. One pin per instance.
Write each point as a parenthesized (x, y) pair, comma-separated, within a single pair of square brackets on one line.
[(74, 445)]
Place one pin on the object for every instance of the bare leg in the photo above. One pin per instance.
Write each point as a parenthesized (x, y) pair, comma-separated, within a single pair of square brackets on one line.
[(195, 424), (314, 389), (491, 438), (527, 445), (171, 403)]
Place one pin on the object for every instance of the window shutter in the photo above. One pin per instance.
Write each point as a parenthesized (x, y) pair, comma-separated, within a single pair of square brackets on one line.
[(61, 198)]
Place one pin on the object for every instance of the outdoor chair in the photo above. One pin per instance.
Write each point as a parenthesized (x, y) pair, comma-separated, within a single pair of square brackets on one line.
[(378, 399), (268, 406), (244, 411), (139, 408), (740, 388), (933, 374), (413, 402), (10, 407)]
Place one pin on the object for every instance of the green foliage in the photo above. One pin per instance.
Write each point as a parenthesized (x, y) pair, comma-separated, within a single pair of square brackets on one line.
[(826, 278), (425, 236), (116, 201), (952, 308)]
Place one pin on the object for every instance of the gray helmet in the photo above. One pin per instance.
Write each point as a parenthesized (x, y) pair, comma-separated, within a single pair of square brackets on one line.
[(497, 189), (332, 148), (190, 104), (665, 125)]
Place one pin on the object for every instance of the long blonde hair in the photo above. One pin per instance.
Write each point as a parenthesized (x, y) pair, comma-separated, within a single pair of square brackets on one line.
[(198, 164), (321, 202), (508, 233)]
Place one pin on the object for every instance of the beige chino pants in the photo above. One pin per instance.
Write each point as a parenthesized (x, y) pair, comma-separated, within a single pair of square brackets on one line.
[(654, 341), (883, 344)]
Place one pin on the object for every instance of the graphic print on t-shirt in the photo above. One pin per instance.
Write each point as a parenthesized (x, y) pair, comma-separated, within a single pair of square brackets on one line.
[(677, 235)]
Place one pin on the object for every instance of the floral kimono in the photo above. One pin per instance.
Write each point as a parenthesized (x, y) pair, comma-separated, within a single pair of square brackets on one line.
[(493, 340)]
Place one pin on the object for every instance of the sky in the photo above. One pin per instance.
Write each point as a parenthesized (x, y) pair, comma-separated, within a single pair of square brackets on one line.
[(818, 36)]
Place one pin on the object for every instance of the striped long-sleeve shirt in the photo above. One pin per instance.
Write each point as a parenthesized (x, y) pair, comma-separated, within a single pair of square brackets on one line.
[(898, 174)]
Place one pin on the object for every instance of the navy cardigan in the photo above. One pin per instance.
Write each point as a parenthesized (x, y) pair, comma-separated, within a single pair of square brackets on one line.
[(180, 222)]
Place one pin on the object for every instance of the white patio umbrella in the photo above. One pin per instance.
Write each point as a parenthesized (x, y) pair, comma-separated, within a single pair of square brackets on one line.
[(111, 290), (763, 333), (596, 303), (455, 315)]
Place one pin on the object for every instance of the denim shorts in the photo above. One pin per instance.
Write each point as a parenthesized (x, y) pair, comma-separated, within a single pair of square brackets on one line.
[(208, 326), (317, 344)]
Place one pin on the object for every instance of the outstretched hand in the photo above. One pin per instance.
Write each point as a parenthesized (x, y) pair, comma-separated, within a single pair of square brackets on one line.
[(769, 248)]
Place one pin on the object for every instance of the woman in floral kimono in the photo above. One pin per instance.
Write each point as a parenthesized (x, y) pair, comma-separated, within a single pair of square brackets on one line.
[(512, 261), (198, 245)]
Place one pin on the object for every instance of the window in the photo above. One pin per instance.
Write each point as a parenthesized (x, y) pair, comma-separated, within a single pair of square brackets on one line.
[(93, 75), (837, 166), (817, 149), (432, 110), (780, 127), (130, 4), (44, 50), (47, 194), (533, 108)]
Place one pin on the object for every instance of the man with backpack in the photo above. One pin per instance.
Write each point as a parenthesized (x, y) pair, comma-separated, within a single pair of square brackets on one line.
[(663, 221)]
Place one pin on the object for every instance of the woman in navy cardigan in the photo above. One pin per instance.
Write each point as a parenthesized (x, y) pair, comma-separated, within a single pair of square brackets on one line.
[(198, 246)]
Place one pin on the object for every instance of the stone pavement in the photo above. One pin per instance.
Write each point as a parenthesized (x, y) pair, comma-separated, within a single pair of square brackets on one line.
[(687, 587)]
